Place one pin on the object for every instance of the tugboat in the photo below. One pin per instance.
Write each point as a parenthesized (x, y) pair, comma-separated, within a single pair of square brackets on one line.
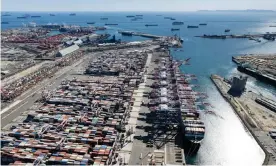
[(227, 30), (192, 26)]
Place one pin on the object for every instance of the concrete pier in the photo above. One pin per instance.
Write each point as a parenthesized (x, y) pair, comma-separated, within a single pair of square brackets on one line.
[(257, 118)]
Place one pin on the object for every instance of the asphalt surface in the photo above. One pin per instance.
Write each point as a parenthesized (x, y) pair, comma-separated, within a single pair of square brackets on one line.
[(28, 98)]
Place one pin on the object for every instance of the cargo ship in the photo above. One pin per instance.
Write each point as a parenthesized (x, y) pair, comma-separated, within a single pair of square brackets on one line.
[(175, 29), (35, 16), (151, 25), (203, 24), (52, 15), (72, 14), (227, 30), (177, 23), (21, 17), (192, 26), (104, 18), (175, 94), (90, 22), (130, 16), (111, 24), (4, 22)]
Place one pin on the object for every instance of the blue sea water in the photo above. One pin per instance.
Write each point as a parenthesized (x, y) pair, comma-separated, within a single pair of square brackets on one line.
[(227, 141)]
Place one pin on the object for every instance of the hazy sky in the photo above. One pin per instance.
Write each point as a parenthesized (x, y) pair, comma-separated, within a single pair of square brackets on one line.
[(135, 5)]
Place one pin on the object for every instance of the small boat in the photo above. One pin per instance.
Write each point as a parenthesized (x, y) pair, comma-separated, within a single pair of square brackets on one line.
[(192, 26), (126, 33), (177, 23), (130, 16), (4, 22), (227, 30), (72, 14), (35, 16), (90, 22), (111, 24), (52, 15), (203, 24), (104, 18), (151, 25), (175, 29)]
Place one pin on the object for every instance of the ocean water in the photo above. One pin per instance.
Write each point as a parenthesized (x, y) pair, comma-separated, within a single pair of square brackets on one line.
[(227, 141)]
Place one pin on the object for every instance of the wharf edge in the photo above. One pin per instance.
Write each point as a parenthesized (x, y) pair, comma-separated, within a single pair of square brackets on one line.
[(254, 74), (267, 155)]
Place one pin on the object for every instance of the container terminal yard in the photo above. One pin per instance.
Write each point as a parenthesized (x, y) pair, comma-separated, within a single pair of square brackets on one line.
[(262, 67), (256, 111), (86, 107)]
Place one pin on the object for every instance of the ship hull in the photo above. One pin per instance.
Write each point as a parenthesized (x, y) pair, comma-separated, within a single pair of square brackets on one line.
[(191, 147)]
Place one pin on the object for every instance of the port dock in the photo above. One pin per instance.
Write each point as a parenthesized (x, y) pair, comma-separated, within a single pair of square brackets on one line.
[(131, 33), (258, 119), (88, 114), (262, 67)]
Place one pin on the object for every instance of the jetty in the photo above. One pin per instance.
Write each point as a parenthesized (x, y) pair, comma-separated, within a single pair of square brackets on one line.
[(266, 36), (260, 66), (258, 119), (131, 33)]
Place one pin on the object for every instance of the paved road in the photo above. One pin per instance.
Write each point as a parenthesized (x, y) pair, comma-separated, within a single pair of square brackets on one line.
[(27, 99)]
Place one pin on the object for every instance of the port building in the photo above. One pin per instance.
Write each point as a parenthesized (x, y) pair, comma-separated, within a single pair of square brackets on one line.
[(67, 50)]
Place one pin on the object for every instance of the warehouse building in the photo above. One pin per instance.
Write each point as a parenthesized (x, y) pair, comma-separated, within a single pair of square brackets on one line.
[(67, 50)]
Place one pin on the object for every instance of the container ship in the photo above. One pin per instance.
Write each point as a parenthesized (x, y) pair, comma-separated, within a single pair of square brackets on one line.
[(35, 16), (192, 26), (175, 29), (177, 23), (111, 24), (173, 93), (151, 25)]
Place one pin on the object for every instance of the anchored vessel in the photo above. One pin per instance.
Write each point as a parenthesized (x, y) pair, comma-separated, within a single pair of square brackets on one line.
[(192, 26), (177, 23), (151, 25), (203, 24), (227, 30), (175, 29), (72, 14)]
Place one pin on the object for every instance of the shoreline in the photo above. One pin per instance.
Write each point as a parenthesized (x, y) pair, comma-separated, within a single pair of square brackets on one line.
[(241, 117)]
